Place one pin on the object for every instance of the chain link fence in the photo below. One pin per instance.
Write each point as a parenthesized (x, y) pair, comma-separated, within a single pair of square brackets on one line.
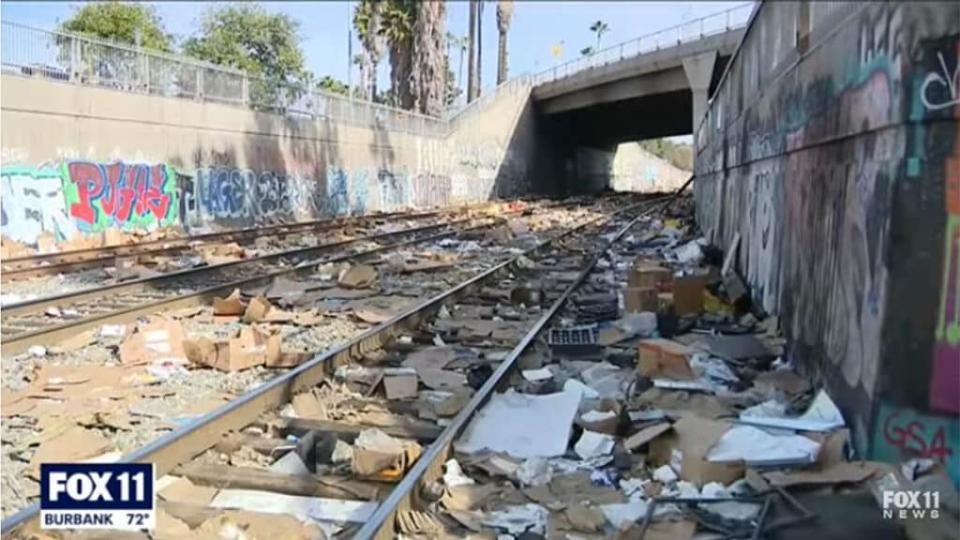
[(33, 52)]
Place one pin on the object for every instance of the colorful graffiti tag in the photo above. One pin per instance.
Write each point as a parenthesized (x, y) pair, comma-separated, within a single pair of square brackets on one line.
[(31, 200), (902, 433), (87, 197), (121, 195)]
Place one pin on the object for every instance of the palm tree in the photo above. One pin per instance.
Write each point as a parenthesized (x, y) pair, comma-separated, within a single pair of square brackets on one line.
[(428, 75), (472, 62), (398, 17), (460, 42), (599, 28), (504, 14), (479, 47), (368, 20)]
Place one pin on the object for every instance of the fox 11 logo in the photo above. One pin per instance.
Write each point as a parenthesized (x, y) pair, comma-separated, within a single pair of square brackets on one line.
[(97, 496), (905, 504)]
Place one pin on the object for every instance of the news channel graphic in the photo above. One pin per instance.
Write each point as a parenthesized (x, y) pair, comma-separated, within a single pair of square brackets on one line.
[(97, 496)]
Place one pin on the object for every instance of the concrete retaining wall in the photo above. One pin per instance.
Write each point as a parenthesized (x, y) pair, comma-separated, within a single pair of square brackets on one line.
[(832, 147), (80, 160)]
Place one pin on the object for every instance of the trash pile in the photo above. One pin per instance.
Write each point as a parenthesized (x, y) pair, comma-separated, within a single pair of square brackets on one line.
[(661, 407)]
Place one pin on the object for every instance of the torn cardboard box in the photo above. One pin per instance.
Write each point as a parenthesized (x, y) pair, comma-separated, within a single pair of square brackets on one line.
[(249, 348), (231, 305), (378, 456), (157, 341), (685, 449)]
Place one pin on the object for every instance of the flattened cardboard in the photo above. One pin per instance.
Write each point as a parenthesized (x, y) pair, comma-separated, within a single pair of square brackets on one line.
[(686, 447), (74, 445), (361, 276), (257, 310), (400, 383), (838, 473), (645, 435), (305, 405), (664, 359)]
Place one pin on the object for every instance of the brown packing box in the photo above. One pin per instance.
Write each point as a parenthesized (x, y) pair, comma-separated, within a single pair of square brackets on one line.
[(636, 299), (648, 274), (688, 294), (384, 466), (607, 425), (685, 449), (664, 359)]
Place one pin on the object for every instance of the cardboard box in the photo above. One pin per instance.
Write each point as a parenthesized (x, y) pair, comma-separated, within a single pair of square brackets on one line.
[(685, 449), (688, 294), (645, 274), (605, 425), (637, 299), (664, 359)]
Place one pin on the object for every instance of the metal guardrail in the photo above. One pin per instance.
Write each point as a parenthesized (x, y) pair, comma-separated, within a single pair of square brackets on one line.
[(694, 30), (88, 61)]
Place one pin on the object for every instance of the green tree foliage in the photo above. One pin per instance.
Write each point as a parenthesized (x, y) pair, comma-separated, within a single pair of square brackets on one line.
[(599, 28), (678, 154), (329, 84), (120, 21), (267, 45)]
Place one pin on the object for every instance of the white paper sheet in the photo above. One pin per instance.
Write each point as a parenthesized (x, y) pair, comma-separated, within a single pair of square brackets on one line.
[(303, 508), (757, 447), (822, 415), (522, 425)]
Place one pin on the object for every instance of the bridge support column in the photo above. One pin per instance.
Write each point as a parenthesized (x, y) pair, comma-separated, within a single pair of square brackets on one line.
[(699, 70)]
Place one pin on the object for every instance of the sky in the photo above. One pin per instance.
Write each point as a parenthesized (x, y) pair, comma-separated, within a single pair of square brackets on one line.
[(536, 27)]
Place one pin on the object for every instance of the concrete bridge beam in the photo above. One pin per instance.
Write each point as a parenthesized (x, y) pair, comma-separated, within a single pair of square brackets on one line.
[(699, 70)]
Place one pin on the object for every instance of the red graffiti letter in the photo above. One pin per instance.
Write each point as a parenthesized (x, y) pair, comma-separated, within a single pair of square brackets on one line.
[(90, 184)]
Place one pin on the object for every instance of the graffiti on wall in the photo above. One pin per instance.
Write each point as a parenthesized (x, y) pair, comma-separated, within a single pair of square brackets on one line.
[(121, 195), (338, 199), (31, 203), (944, 392), (902, 433), (358, 195), (88, 197), (393, 189)]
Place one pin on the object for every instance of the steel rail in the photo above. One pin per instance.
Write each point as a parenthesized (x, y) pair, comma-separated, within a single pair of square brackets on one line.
[(170, 450), (381, 523), (49, 263)]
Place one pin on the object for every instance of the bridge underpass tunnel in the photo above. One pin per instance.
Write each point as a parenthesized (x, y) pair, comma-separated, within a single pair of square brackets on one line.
[(583, 119)]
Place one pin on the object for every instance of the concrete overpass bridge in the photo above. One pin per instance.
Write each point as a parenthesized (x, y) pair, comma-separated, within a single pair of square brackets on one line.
[(660, 90)]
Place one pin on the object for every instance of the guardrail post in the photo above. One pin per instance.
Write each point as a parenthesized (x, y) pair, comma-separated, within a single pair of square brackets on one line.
[(146, 73), (621, 51), (74, 59), (244, 90), (199, 94), (728, 20)]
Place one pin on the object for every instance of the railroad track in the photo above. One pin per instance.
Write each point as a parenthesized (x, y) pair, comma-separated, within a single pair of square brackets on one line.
[(45, 264), (45, 321), (251, 421)]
